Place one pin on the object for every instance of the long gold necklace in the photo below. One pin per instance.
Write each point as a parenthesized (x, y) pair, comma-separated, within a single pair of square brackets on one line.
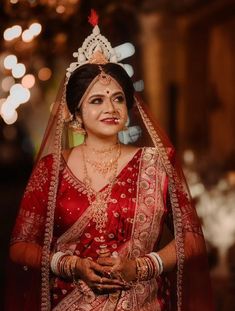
[(101, 199)]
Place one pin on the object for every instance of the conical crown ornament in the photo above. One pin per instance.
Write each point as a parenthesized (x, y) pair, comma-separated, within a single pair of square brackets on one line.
[(96, 49)]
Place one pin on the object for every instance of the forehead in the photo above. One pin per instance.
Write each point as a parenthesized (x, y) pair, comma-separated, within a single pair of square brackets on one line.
[(101, 88)]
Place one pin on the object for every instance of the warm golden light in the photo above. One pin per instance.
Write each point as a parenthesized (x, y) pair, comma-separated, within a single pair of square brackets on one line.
[(60, 9), (28, 81), (44, 74)]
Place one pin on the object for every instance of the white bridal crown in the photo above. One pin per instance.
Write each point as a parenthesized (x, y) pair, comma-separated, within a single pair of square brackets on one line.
[(96, 49)]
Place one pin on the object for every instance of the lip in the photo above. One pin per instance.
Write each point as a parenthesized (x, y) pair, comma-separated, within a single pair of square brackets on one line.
[(110, 121)]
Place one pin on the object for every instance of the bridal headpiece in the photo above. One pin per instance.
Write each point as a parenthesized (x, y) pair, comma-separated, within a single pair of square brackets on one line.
[(96, 49)]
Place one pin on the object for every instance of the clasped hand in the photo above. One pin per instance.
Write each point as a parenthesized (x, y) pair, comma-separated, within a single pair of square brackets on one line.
[(107, 273)]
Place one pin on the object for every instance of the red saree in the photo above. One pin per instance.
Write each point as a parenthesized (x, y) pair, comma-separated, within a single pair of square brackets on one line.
[(55, 215), (137, 210)]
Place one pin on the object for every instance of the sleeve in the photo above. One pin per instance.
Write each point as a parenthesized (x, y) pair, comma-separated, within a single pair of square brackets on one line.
[(30, 222)]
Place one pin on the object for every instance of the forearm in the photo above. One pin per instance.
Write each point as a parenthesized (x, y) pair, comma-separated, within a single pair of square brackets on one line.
[(26, 254), (168, 256)]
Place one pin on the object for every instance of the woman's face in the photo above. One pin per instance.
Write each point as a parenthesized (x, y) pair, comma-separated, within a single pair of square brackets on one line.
[(104, 110)]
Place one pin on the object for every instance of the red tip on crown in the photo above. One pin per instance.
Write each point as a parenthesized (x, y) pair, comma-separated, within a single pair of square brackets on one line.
[(93, 18)]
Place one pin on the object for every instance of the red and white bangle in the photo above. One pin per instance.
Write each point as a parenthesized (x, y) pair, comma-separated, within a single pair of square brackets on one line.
[(55, 262), (157, 259)]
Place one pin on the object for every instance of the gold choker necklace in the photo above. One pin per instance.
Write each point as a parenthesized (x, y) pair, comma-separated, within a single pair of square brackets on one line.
[(103, 167), (104, 150)]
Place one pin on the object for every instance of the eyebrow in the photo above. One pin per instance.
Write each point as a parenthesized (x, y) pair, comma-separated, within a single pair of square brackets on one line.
[(102, 95)]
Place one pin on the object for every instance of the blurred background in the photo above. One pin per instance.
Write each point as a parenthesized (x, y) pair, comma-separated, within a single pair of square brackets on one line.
[(185, 55)]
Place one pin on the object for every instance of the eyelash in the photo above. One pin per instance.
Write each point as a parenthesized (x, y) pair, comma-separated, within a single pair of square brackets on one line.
[(96, 101), (99, 100)]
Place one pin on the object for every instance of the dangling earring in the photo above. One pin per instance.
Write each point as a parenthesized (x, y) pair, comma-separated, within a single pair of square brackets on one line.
[(76, 125), (125, 128)]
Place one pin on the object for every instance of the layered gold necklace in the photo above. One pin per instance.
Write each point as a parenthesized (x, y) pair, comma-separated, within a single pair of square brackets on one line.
[(99, 199), (103, 166)]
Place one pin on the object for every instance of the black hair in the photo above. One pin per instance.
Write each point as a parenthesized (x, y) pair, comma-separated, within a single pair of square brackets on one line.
[(83, 76)]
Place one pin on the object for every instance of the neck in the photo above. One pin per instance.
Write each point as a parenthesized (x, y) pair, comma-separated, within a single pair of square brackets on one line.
[(100, 142)]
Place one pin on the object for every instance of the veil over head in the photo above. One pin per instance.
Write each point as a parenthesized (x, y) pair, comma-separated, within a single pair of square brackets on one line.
[(190, 278)]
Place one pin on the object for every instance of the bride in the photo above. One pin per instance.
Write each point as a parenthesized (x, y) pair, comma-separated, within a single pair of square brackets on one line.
[(106, 221)]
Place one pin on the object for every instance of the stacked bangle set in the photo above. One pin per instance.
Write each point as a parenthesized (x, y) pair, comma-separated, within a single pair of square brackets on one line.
[(148, 267), (64, 265)]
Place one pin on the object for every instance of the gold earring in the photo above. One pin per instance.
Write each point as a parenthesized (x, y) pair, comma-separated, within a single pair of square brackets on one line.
[(76, 125)]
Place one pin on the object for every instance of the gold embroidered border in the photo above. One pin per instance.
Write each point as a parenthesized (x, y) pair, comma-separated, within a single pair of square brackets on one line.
[(174, 183)]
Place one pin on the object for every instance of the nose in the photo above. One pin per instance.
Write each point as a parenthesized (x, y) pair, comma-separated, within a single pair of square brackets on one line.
[(109, 106)]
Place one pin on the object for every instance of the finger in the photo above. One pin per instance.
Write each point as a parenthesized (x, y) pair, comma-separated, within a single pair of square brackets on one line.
[(98, 268), (94, 278), (106, 281), (107, 287), (106, 261)]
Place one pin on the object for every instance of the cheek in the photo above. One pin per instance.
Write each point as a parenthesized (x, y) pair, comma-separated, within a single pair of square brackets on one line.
[(89, 112), (123, 113)]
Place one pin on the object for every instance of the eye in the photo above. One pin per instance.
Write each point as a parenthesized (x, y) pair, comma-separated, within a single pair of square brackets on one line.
[(96, 101), (119, 99)]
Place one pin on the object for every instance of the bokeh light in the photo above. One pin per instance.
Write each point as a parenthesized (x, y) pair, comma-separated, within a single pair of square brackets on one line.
[(12, 32), (7, 83), (18, 71), (60, 9), (19, 93), (44, 74), (7, 110), (10, 61), (28, 81), (35, 29), (27, 35), (16, 30), (11, 118), (2, 100)]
